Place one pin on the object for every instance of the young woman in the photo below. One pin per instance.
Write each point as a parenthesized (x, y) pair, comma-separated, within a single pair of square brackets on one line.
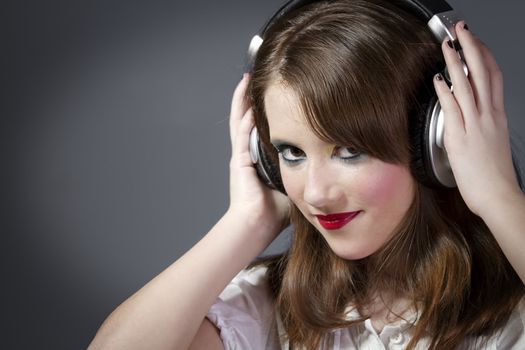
[(380, 259)]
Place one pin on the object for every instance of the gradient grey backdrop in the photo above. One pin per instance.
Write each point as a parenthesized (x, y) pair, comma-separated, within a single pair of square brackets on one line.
[(115, 148)]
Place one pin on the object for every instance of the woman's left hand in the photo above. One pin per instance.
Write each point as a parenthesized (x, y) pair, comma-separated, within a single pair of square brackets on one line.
[(476, 134)]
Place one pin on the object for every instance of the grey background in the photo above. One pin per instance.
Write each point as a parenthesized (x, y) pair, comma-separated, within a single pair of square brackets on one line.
[(115, 149)]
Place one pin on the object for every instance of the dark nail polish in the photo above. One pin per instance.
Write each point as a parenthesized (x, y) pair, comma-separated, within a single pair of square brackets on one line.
[(465, 26), (439, 77), (457, 45), (450, 44)]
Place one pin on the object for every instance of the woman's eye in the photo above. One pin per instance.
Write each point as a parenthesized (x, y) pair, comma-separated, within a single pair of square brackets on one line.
[(291, 154), (347, 153)]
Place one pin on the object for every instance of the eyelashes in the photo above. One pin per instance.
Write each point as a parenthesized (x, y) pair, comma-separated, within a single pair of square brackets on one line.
[(348, 153), (292, 155)]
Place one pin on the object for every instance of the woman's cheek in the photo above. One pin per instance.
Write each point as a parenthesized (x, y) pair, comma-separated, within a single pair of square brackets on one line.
[(387, 184), (291, 184)]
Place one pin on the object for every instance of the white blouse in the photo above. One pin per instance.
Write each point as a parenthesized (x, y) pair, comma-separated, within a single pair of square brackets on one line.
[(244, 314)]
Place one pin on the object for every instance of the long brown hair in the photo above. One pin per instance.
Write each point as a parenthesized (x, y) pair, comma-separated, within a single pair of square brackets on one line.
[(360, 69)]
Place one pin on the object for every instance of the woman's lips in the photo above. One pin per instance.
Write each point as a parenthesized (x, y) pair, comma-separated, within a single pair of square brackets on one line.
[(336, 221)]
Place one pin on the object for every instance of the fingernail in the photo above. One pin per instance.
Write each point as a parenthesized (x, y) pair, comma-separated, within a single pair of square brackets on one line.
[(450, 44), (438, 77)]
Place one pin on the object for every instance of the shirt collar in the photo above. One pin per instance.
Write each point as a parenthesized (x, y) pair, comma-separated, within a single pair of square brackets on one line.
[(409, 318)]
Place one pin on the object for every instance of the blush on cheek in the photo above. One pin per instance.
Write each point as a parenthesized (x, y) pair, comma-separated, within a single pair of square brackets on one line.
[(387, 183)]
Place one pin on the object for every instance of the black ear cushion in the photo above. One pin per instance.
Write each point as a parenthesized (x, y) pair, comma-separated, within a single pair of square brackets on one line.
[(273, 175), (421, 165)]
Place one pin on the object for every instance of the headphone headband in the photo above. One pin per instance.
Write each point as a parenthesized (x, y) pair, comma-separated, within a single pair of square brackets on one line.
[(422, 9), (438, 14)]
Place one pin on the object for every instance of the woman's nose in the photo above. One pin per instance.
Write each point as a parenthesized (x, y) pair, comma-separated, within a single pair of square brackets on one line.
[(321, 189)]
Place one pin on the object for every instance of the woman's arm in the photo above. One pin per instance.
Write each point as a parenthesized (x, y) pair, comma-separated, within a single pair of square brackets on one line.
[(506, 220), (169, 309), (478, 146), (207, 337), (167, 312)]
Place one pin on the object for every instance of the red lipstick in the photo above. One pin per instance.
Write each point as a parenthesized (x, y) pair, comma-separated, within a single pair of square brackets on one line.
[(336, 221)]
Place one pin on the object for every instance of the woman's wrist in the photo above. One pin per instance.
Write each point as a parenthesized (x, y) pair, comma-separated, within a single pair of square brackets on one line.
[(254, 223), (503, 214), (501, 203)]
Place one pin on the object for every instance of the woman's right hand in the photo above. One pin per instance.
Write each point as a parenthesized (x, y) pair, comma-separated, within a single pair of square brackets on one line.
[(249, 197)]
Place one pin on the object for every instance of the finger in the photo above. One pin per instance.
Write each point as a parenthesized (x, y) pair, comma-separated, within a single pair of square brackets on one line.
[(478, 73), (463, 92), (496, 79), (241, 146), (239, 106), (453, 120)]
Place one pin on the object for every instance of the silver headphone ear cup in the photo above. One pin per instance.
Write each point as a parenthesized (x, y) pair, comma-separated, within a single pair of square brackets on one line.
[(429, 161), (267, 171), (254, 145), (439, 165)]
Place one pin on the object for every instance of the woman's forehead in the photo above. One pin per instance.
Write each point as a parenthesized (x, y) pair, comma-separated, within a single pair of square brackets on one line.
[(286, 117), (281, 102)]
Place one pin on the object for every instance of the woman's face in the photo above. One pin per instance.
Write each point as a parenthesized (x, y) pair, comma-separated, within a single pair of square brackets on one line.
[(355, 201)]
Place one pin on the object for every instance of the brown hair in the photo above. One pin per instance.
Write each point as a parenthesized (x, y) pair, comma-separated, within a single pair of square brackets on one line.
[(359, 69)]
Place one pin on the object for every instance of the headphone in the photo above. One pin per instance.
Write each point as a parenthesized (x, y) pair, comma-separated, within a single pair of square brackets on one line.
[(430, 163)]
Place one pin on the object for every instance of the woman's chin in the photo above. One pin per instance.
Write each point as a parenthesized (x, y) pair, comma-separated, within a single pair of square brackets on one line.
[(351, 252)]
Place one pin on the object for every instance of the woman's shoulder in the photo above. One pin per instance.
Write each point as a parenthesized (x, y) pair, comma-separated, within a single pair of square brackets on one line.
[(256, 276), (244, 312), (250, 284)]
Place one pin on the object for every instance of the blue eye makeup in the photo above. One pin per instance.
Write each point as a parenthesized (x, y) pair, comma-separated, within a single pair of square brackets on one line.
[(290, 154), (347, 154)]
